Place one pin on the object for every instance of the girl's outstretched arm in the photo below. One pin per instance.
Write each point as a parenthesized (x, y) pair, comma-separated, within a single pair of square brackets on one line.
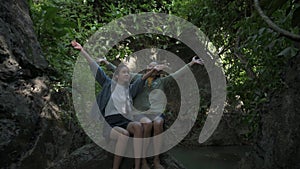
[(98, 73)]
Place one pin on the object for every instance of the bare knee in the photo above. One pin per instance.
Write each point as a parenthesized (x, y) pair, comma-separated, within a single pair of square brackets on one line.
[(158, 126), (147, 127), (147, 124), (119, 133), (137, 129), (123, 137), (125, 133)]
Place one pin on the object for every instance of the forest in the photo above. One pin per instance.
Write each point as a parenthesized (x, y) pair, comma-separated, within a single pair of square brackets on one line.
[(255, 43)]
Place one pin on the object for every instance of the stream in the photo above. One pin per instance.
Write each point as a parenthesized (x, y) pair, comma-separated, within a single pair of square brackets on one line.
[(211, 157)]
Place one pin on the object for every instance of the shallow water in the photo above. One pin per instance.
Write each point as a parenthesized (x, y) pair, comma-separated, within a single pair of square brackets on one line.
[(211, 157)]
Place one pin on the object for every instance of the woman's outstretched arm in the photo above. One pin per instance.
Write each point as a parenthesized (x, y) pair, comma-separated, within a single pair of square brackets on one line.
[(98, 73)]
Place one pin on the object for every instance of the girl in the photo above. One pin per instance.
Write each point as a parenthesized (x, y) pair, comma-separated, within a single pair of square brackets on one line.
[(114, 103)]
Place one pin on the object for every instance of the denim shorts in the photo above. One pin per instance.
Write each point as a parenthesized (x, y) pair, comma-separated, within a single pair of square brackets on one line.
[(116, 120)]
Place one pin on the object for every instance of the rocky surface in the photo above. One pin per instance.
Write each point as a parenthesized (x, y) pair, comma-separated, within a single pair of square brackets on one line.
[(93, 157), (32, 132), (278, 145), (230, 131)]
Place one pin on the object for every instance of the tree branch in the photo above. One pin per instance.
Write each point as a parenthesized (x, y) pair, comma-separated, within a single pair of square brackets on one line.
[(273, 26), (242, 59)]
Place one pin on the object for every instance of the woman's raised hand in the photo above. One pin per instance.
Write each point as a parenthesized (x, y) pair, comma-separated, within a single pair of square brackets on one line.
[(196, 60)]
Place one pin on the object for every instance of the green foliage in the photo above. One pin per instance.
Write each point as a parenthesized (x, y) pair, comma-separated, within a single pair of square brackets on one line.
[(253, 55), (58, 22)]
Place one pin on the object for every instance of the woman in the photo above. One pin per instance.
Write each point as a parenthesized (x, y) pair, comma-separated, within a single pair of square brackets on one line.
[(152, 118), (114, 103)]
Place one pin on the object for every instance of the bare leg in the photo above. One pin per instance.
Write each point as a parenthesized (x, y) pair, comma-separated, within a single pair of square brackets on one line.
[(136, 129), (121, 135), (147, 128), (158, 129)]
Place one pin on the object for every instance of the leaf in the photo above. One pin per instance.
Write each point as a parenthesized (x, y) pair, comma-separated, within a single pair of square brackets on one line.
[(261, 31), (288, 52), (50, 12)]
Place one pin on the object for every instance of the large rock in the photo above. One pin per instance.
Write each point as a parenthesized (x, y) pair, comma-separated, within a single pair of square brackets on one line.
[(230, 131), (21, 88), (92, 156), (33, 134), (19, 44), (279, 140)]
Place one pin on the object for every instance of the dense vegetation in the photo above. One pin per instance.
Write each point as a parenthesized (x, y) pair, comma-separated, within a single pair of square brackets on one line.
[(254, 56)]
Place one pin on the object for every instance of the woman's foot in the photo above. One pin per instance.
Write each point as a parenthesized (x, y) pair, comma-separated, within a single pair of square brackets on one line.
[(145, 164), (157, 164)]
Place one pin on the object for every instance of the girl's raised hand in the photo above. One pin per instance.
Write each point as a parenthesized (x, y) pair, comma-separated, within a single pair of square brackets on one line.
[(76, 45), (160, 67), (102, 60)]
